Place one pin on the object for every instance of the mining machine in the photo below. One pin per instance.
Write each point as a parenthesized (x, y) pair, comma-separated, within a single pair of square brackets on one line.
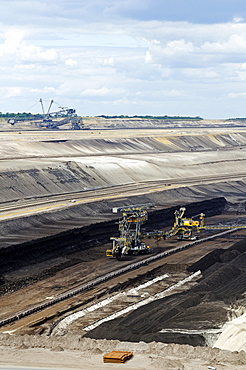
[(131, 238), (184, 228), (129, 241), (52, 120)]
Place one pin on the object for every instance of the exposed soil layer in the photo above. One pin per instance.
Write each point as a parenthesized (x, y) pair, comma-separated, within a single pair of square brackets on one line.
[(63, 247), (187, 318), (40, 167), (74, 352)]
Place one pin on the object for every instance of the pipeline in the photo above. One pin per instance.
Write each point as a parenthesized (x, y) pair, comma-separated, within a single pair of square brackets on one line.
[(108, 276)]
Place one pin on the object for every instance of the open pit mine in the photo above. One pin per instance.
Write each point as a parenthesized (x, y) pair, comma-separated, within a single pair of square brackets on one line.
[(125, 240)]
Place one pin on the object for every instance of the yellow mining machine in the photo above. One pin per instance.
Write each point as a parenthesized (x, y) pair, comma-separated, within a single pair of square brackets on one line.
[(183, 227), (129, 241)]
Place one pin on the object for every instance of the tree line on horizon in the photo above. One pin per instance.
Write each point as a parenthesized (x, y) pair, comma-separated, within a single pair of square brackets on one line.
[(20, 115), (153, 117)]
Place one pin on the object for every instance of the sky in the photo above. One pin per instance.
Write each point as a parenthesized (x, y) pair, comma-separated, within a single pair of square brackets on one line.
[(124, 57)]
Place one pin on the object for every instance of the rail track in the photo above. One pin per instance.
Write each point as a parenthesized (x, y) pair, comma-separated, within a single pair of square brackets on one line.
[(96, 282)]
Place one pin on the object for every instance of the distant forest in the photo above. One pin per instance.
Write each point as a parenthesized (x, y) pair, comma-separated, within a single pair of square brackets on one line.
[(236, 119), (154, 117), (20, 115)]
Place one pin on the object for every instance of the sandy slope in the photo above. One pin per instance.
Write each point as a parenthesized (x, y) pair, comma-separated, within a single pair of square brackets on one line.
[(233, 336), (76, 353)]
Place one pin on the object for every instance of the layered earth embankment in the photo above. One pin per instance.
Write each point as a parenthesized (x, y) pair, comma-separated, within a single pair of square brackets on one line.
[(43, 164)]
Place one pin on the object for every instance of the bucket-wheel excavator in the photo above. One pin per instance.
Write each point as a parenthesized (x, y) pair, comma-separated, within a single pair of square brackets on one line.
[(51, 120), (129, 241)]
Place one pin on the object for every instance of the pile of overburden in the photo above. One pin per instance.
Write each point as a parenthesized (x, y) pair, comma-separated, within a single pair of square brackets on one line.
[(186, 318)]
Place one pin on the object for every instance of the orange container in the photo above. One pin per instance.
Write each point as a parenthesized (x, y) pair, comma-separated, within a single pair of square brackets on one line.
[(117, 357)]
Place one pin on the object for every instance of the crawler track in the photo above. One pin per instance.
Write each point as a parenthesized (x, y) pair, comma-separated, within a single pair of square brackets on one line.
[(105, 277)]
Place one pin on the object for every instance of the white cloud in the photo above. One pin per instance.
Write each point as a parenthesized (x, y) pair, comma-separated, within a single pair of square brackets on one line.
[(148, 57), (49, 89), (46, 89), (32, 53), (177, 47), (238, 19), (71, 62), (12, 41), (200, 73), (236, 95), (96, 92), (236, 43), (102, 92), (15, 45), (172, 93), (241, 75), (10, 92), (109, 61), (104, 55)]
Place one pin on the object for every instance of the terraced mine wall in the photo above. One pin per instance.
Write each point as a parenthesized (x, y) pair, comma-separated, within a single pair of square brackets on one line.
[(42, 168), (63, 248)]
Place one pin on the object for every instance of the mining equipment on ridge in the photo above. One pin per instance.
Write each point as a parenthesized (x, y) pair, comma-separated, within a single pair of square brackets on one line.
[(131, 238), (51, 120)]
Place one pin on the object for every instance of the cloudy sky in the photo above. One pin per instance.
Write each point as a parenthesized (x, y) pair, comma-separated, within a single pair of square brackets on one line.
[(131, 57)]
